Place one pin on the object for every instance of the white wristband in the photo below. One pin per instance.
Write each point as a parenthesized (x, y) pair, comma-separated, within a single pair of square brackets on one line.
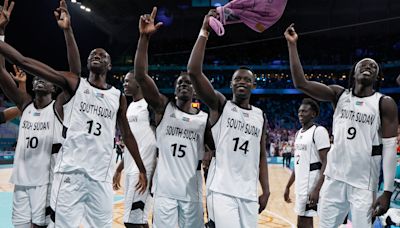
[(389, 163), (2, 37), (204, 33)]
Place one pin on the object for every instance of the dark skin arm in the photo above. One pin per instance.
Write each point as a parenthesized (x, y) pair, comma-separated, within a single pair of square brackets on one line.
[(11, 113), (205, 91), (7, 83), (117, 176), (150, 91), (64, 22), (263, 178), (287, 189), (314, 196), (66, 80), (389, 123), (398, 80), (130, 143), (19, 77), (316, 90)]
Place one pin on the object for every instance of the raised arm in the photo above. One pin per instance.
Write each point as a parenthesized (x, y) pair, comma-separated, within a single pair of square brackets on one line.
[(7, 84), (202, 85), (64, 22), (66, 80), (316, 90), (20, 77), (263, 178), (150, 91), (389, 123), (130, 143)]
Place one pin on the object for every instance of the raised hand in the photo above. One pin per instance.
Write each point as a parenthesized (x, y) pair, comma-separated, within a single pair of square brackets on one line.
[(20, 75), (211, 13), (62, 16), (291, 35), (5, 14), (146, 23)]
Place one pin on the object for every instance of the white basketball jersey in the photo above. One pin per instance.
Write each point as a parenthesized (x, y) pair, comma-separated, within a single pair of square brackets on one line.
[(307, 161), (90, 117), (139, 122), (237, 136), (355, 156), (39, 129), (180, 140)]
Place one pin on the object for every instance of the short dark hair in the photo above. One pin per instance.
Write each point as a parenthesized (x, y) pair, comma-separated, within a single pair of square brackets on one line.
[(249, 69), (182, 73), (313, 104)]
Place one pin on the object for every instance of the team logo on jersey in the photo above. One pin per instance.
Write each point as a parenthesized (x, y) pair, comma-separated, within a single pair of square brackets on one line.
[(101, 95), (186, 119), (347, 100), (172, 115), (234, 109), (36, 114), (359, 103), (86, 91), (245, 114)]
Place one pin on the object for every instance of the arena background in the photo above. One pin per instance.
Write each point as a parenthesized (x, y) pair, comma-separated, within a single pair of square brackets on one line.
[(334, 34)]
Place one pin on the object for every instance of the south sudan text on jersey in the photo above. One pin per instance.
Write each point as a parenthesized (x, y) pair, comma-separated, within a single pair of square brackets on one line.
[(181, 132), (96, 110), (357, 116), (36, 126), (243, 127)]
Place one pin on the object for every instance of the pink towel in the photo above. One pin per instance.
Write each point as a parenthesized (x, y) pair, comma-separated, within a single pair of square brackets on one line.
[(256, 14)]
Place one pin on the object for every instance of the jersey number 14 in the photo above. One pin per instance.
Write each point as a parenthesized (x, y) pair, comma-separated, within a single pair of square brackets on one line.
[(242, 147)]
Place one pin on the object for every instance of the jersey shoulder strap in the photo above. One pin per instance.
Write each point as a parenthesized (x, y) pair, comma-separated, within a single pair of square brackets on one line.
[(316, 126)]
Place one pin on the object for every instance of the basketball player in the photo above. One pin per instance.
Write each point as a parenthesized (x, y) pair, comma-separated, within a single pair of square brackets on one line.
[(82, 182), (311, 148), (180, 131), (137, 206), (364, 129), (39, 137), (238, 130)]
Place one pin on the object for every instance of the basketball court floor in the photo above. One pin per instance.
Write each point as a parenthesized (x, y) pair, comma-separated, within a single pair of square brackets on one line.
[(278, 214)]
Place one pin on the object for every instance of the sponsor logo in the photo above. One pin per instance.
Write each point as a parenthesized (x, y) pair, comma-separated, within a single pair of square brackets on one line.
[(67, 180)]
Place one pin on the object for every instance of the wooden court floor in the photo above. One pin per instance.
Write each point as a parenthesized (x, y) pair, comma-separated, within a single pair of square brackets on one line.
[(278, 214)]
